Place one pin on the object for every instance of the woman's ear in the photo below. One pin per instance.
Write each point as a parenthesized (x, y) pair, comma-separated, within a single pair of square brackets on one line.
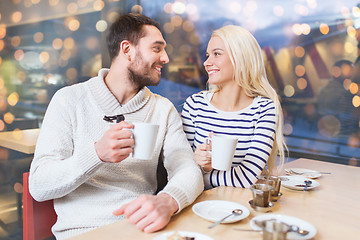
[(125, 49)]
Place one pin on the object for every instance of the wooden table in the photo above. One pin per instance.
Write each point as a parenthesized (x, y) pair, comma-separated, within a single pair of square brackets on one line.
[(333, 208), (20, 140)]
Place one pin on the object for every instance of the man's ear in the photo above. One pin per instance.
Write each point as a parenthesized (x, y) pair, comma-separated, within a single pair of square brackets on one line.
[(126, 48)]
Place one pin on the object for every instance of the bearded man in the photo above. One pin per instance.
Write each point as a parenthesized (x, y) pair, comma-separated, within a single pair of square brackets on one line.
[(84, 162)]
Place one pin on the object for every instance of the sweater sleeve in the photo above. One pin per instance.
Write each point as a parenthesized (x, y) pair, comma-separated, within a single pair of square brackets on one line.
[(256, 156), (185, 181), (57, 169), (187, 117)]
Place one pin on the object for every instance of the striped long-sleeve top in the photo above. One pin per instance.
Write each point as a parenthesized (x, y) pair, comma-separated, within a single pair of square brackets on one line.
[(254, 126)]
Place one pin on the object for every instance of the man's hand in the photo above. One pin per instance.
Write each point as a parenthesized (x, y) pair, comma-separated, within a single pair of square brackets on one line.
[(116, 144), (149, 213)]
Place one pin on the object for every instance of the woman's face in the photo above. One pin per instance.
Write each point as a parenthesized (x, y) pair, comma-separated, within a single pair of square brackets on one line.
[(218, 64)]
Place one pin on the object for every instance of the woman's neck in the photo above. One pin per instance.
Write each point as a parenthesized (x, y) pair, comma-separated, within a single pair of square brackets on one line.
[(231, 99)]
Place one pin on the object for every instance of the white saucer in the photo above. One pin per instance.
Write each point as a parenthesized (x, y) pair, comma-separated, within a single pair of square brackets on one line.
[(307, 172), (197, 236), (294, 180), (214, 210), (288, 220)]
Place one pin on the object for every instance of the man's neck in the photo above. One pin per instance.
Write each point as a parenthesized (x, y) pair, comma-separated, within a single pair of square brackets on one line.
[(120, 85)]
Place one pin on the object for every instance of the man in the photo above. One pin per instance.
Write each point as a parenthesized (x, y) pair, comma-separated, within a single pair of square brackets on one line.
[(82, 161)]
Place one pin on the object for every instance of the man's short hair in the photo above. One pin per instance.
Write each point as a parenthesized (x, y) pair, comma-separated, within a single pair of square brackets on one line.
[(127, 27)]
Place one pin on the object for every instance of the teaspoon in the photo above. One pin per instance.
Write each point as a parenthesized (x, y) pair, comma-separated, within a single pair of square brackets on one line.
[(235, 212)]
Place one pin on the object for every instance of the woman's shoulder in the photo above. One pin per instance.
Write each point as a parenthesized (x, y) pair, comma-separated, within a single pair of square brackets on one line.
[(264, 101), (199, 97)]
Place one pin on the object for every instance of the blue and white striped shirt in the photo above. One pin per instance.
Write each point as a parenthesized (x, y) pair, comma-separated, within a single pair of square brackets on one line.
[(254, 126)]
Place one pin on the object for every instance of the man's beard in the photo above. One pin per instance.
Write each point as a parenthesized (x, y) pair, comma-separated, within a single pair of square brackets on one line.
[(141, 78)]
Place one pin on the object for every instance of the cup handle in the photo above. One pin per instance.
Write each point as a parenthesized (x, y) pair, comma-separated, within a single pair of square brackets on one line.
[(207, 142), (132, 136)]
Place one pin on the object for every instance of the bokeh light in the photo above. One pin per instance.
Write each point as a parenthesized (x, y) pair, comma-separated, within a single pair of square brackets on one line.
[(191, 9), (188, 26), (168, 28), (137, 9), (53, 3), (92, 43), (278, 11), (176, 20), (288, 129), (101, 26), (324, 28), (16, 17), (356, 12), (300, 70), (38, 37), (98, 5), (13, 98), (19, 54), (234, 7), (21, 76), (72, 23), (329, 126), (72, 8), (345, 11), (2, 127), (299, 51), (168, 8), (57, 43), (347, 83), (69, 43), (289, 91), (356, 101), (351, 31), (15, 41), (2, 31), (9, 118), (178, 7), (82, 3), (301, 83), (71, 75), (354, 88), (44, 57)]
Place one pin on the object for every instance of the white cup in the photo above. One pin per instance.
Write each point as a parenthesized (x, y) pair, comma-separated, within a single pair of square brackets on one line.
[(144, 135), (222, 151)]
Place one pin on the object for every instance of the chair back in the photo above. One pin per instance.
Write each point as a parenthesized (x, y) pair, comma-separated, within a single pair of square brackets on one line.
[(38, 217)]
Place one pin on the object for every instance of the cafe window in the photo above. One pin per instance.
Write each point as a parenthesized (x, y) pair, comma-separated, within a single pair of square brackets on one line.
[(310, 47)]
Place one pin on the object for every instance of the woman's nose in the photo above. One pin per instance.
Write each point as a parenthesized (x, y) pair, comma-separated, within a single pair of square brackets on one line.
[(207, 62)]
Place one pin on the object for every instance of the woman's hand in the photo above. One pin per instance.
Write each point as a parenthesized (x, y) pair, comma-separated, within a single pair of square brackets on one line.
[(202, 157)]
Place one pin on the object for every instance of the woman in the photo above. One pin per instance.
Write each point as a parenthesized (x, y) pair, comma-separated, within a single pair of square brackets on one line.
[(241, 103)]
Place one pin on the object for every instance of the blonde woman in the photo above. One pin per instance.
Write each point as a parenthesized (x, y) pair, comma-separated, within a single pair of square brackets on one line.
[(242, 103)]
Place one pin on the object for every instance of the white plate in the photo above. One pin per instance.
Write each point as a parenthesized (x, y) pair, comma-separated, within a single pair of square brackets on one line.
[(288, 220), (214, 210), (307, 172), (294, 180), (197, 236)]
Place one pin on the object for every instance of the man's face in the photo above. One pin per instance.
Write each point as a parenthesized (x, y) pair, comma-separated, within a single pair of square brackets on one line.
[(150, 57)]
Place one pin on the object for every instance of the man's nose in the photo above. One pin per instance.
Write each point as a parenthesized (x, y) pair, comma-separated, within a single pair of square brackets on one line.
[(164, 58)]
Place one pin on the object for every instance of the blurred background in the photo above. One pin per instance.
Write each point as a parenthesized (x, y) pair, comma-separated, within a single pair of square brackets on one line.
[(311, 49)]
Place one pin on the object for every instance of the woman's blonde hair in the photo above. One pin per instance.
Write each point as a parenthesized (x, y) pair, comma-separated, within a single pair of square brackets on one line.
[(249, 72)]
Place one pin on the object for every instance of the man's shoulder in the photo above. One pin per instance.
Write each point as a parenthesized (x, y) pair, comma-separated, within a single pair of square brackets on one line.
[(161, 99)]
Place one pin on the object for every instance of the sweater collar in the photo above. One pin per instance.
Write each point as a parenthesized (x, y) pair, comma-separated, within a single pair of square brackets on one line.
[(108, 102)]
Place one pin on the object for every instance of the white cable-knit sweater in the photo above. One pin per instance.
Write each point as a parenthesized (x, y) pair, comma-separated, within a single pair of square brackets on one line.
[(86, 190)]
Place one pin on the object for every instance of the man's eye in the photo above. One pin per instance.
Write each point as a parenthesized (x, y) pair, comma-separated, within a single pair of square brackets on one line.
[(157, 49)]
